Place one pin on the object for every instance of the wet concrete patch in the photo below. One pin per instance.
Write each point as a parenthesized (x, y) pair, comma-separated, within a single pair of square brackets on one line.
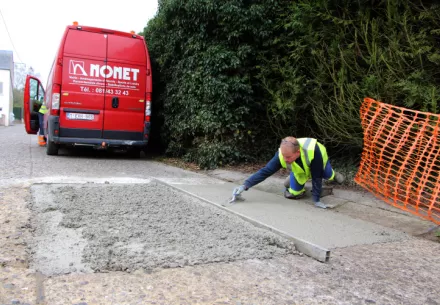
[(127, 227)]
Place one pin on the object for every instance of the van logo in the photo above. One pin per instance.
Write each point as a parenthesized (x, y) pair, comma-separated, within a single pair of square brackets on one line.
[(76, 65)]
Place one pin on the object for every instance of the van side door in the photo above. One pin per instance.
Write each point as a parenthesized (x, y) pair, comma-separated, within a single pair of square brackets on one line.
[(32, 100)]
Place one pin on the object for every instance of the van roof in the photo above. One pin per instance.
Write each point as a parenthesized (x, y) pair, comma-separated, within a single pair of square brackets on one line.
[(102, 30)]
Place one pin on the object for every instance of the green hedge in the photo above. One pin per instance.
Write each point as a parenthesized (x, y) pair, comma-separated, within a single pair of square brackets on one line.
[(334, 53), (233, 77), (205, 56)]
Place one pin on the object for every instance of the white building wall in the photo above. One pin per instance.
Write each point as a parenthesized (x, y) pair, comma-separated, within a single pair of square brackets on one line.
[(6, 98)]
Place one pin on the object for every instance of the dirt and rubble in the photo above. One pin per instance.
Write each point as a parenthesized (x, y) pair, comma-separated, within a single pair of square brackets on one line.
[(123, 227), (398, 272), (386, 273)]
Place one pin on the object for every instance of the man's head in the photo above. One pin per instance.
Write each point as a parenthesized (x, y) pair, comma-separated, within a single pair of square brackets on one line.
[(290, 149)]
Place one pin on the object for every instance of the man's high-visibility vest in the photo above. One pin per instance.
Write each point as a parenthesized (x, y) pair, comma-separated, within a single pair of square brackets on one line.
[(307, 149), (43, 109)]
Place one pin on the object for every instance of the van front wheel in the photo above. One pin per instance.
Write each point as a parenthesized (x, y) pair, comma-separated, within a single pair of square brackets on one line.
[(51, 148)]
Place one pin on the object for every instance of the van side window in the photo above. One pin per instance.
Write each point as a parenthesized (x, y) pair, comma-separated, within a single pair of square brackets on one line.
[(40, 93), (34, 102), (33, 88)]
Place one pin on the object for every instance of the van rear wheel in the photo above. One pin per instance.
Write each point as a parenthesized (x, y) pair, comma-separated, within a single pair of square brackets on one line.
[(51, 148)]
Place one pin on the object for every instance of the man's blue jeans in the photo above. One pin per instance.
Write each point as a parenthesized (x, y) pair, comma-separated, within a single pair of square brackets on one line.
[(41, 122)]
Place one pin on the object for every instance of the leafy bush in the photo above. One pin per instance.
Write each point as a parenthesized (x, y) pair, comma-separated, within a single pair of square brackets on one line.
[(233, 77), (206, 52), (332, 54)]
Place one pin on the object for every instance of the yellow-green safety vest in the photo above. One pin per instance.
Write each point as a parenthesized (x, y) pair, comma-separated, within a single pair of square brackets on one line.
[(307, 149), (43, 109)]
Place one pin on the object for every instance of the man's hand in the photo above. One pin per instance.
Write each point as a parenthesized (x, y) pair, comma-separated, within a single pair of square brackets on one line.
[(236, 194), (238, 190)]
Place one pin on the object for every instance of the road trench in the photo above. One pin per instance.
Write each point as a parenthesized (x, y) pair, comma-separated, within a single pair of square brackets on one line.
[(86, 228)]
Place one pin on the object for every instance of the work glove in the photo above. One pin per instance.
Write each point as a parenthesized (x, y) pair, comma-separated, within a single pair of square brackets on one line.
[(321, 205), (238, 190)]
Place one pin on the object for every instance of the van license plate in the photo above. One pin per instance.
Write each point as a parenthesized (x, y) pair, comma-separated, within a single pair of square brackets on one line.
[(80, 116)]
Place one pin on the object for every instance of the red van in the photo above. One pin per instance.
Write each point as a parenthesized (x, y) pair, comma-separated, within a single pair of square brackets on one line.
[(98, 92)]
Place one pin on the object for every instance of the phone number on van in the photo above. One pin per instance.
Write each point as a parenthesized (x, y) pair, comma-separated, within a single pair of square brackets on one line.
[(106, 91)]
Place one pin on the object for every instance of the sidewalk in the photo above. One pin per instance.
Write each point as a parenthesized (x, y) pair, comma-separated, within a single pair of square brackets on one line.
[(315, 231), (357, 204)]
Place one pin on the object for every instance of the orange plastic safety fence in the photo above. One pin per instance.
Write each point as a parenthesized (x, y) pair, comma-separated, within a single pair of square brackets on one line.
[(401, 157)]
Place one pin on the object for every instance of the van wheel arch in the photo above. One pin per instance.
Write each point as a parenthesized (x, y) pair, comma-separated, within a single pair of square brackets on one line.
[(51, 148)]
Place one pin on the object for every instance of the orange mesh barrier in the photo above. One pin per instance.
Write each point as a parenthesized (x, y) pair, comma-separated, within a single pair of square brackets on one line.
[(401, 157)]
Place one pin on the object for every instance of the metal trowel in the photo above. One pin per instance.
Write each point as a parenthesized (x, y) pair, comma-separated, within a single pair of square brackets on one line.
[(234, 199)]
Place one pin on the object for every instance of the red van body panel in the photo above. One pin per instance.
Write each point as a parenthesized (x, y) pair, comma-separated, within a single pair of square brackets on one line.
[(126, 57), (99, 89)]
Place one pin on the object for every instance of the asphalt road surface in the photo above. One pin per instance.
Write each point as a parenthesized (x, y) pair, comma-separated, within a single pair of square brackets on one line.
[(56, 201)]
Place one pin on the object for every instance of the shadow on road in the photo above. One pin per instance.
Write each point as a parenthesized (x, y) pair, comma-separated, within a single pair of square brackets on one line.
[(111, 154)]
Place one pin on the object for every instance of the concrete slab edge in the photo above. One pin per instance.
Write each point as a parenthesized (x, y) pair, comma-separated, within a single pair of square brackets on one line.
[(39, 280), (317, 252)]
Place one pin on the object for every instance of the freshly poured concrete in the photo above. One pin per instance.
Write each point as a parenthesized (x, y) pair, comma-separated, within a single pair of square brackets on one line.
[(297, 218), (128, 227)]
